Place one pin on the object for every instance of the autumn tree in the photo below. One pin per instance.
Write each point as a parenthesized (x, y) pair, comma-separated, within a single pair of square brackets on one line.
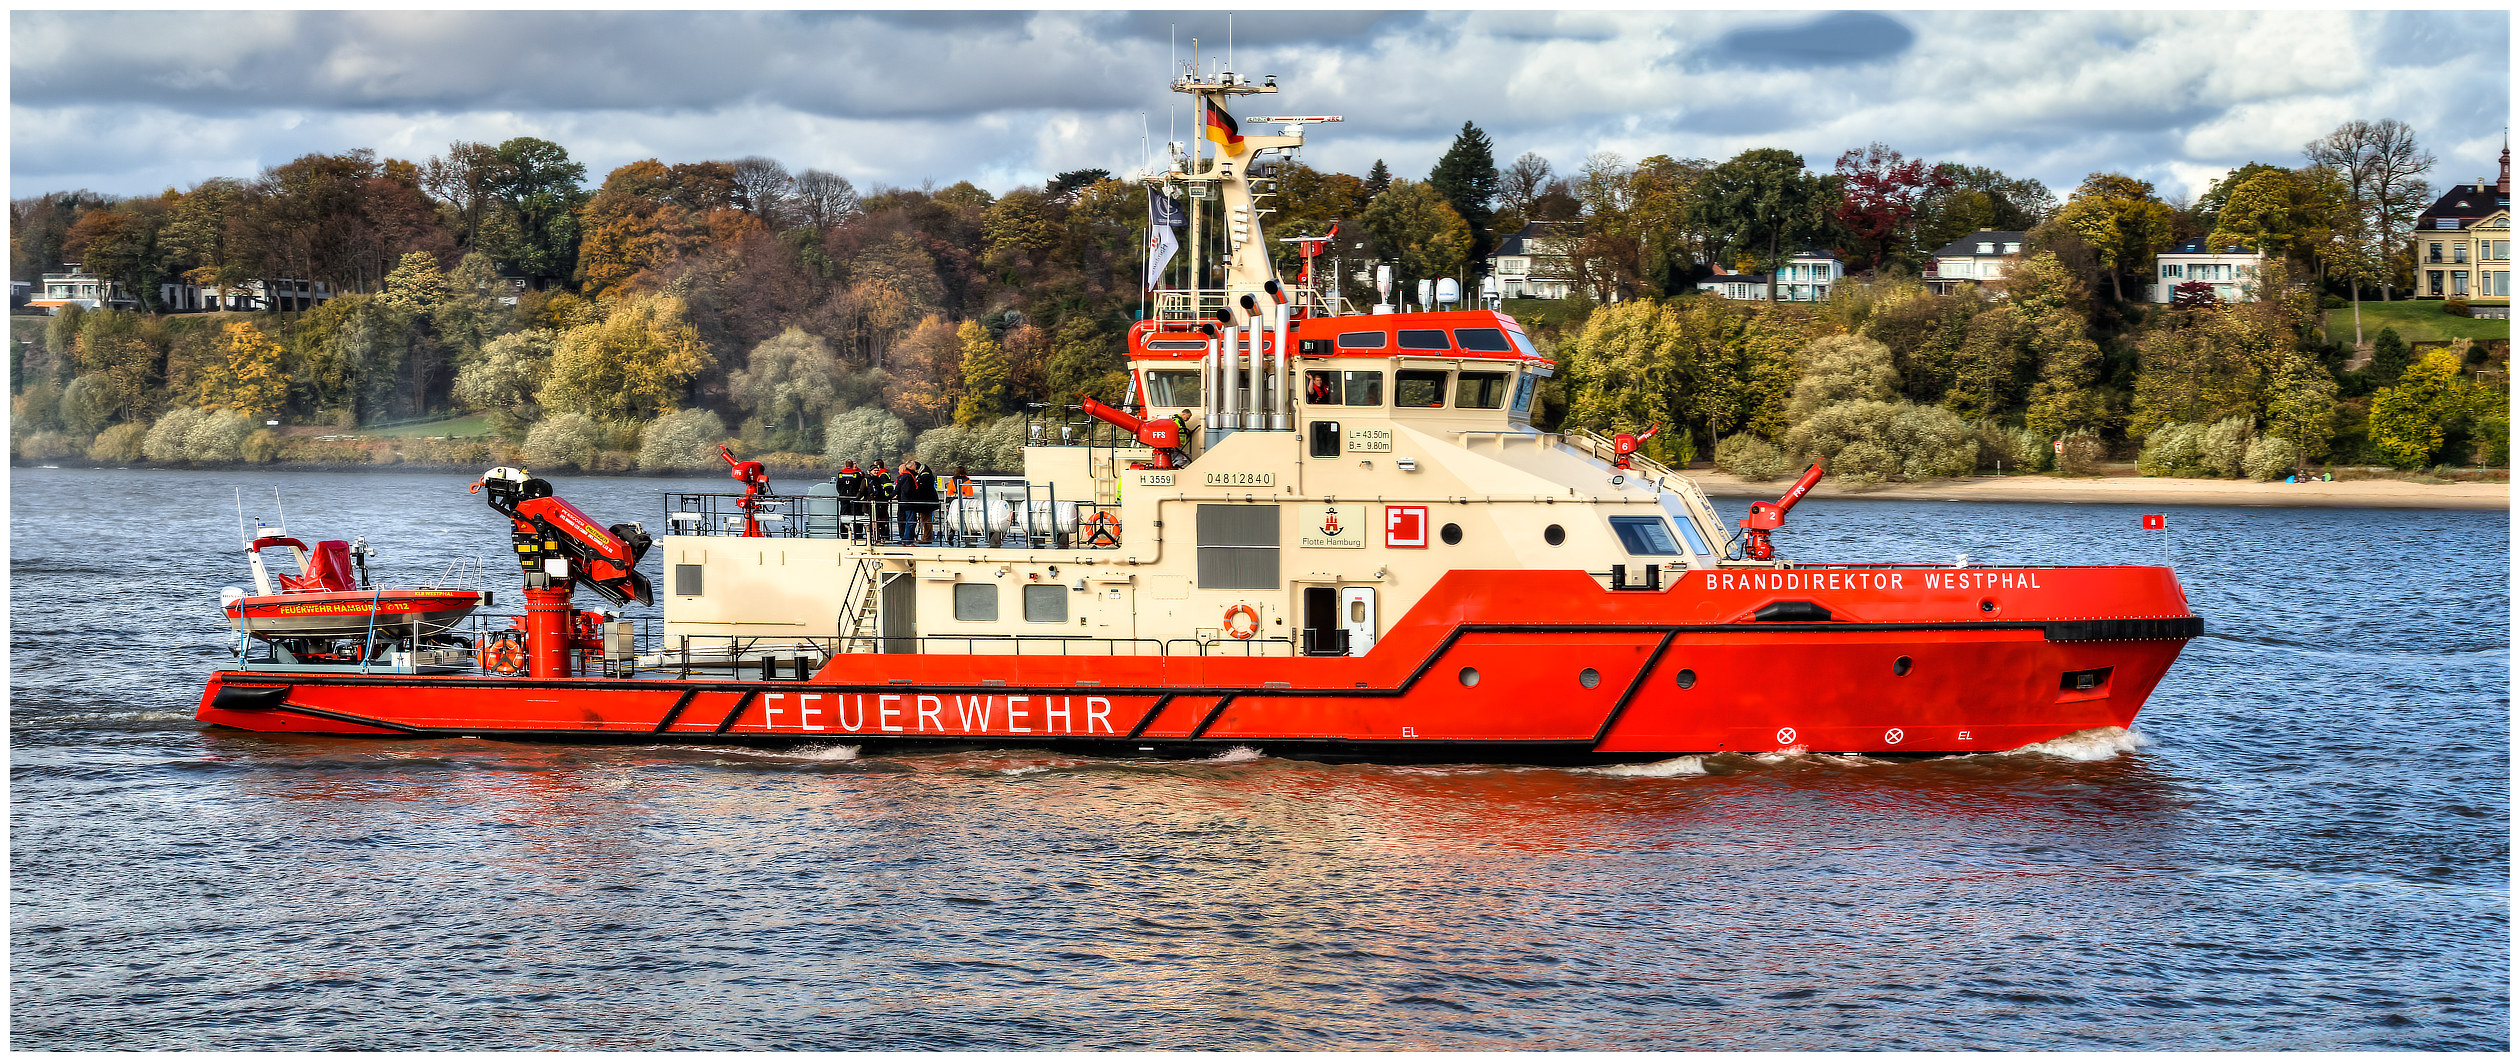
[(984, 373), (2121, 220), (2408, 420), (824, 200), (1882, 191), (247, 379), (506, 376), (923, 377), (633, 363)]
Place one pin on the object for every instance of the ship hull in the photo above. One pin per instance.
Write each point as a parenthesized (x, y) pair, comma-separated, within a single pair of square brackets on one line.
[(1491, 666)]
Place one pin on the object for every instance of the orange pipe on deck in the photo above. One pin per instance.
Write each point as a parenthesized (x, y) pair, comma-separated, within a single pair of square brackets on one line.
[(547, 631)]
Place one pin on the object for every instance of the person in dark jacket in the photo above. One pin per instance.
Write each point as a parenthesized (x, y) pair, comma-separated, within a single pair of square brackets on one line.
[(850, 485), (928, 502), (906, 497)]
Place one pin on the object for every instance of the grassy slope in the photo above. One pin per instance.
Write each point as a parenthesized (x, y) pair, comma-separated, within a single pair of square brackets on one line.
[(2413, 321), (466, 427)]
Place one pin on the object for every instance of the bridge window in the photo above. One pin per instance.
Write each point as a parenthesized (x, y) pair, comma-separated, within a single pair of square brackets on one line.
[(1419, 389), (1424, 339), (1331, 387), (1645, 536), (1172, 387), (1480, 390), (1523, 390), (1482, 339), (1176, 344), (1364, 340)]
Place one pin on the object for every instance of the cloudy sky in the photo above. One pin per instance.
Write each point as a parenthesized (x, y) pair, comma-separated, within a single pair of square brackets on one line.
[(135, 102)]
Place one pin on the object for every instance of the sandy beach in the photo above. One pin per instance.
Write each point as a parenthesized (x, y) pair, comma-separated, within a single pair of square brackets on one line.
[(2141, 490)]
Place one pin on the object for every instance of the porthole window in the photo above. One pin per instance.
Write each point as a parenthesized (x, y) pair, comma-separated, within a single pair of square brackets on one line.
[(1987, 605), (1452, 534), (1686, 678), (1901, 666), (1590, 678), (1469, 676), (1554, 535)]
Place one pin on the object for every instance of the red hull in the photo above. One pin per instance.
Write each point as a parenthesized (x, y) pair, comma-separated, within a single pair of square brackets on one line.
[(351, 613), (1995, 659)]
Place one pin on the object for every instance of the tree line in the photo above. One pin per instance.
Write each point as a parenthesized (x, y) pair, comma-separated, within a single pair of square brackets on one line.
[(675, 305)]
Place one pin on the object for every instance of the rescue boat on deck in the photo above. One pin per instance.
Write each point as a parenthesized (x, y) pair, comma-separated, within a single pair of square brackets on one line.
[(1310, 532)]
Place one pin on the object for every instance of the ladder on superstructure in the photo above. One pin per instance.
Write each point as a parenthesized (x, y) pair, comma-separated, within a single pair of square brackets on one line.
[(864, 594)]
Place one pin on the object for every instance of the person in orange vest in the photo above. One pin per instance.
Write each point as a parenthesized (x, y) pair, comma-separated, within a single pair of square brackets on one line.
[(850, 485), (879, 495)]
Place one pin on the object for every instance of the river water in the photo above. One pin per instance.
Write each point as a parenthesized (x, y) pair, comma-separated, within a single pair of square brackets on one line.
[(2303, 846)]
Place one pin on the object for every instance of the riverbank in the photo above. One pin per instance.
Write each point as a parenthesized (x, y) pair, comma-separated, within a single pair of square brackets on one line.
[(2146, 490)]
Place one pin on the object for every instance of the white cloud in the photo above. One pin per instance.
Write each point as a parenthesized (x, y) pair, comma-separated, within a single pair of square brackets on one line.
[(134, 102)]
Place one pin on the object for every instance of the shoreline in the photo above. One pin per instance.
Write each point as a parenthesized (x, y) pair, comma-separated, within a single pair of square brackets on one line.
[(2103, 490), (2147, 490)]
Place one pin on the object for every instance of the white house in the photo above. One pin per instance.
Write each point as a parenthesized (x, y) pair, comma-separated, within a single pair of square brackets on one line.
[(1806, 277), (1978, 258), (1533, 263), (180, 297), (75, 286), (2232, 271)]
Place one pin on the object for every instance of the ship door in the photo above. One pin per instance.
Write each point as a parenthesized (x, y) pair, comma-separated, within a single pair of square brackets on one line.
[(1322, 633), (897, 614), (1356, 616)]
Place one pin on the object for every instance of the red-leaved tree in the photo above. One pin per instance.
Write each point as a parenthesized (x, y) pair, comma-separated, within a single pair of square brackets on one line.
[(1883, 189)]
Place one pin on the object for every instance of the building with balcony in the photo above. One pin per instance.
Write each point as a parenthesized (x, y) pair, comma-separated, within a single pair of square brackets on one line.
[(2462, 243), (1805, 277), (75, 286), (1534, 262), (2232, 270), (1982, 257)]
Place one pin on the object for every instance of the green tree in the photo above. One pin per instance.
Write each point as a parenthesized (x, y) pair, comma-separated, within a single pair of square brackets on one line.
[(1760, 202), (2066, 398), (685, 440), (1377, 179), (539, 190), (1842, 369), (505, 378), (1466, 178), (791, 378), (2388, 357), (1414, 223)]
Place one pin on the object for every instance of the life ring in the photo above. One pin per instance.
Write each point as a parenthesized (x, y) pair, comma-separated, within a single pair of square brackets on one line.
[(1246, 612), (506, 656), (1103, 531)]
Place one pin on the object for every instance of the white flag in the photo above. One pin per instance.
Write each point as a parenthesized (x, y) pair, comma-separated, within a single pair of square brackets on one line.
[(1161, 215)]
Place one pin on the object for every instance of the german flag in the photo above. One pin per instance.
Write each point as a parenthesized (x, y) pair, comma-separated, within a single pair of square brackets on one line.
[(1220, 128)]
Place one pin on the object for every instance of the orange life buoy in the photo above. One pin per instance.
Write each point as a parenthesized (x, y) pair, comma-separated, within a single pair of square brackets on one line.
[(1103, 531), (1247, 613), (505, 656)]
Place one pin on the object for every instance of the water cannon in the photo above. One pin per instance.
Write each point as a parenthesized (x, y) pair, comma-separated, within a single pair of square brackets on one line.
[(1768, 516), (1163, 434), (756, 481), (1624, 446)]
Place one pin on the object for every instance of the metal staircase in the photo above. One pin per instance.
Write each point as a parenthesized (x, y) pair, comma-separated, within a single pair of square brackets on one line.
[(857, 625)]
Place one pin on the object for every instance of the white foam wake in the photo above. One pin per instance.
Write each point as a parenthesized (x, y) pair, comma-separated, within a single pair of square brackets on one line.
[(2088, 746), (1236, 754), (1676, 767)]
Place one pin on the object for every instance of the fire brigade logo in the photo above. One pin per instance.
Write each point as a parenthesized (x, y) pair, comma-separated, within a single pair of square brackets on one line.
[(1330, 524), (1404, 527)]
